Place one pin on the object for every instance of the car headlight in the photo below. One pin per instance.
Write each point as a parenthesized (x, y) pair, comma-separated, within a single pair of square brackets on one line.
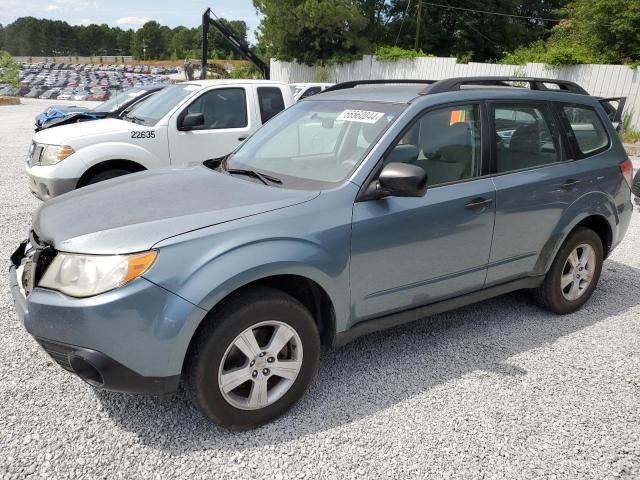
[(53, 154), (87, 275)]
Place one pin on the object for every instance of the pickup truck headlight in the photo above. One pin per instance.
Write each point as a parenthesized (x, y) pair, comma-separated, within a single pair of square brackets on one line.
[(87, 275), (53, 154)]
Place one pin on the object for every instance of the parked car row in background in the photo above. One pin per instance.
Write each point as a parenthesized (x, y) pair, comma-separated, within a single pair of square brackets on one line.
[(82, 82), (79, 67)]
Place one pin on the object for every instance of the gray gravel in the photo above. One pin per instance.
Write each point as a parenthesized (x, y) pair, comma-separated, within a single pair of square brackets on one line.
[(500, 389)]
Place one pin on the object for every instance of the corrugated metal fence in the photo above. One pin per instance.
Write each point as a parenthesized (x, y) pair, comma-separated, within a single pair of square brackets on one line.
[(601, 80)]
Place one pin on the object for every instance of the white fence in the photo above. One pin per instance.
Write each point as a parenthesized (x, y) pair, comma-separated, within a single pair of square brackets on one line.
[(601, 80)]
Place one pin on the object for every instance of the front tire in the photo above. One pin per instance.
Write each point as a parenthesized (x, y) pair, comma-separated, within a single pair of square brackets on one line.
[(574, 273), (253, 360), (107, 175)]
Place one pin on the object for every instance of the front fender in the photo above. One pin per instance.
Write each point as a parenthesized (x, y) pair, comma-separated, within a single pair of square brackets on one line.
[(594, 203), (101, 152), (216, 276)]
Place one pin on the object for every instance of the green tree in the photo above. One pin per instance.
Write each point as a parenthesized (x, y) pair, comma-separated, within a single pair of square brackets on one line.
[(593, 31), (312, 31), (123, 41), (219, 46), (149, 42), (446, 30), (609, 29), (9, 70), (181, 42)]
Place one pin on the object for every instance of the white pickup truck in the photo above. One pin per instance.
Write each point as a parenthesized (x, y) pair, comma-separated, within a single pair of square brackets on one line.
[(185, 123)]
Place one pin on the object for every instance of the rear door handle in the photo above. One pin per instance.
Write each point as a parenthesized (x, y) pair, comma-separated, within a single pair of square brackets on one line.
[(478, 203), (569, 184), (242, 139)]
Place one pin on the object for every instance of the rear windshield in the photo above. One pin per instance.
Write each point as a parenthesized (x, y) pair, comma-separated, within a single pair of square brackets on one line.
[(590, 134), (315, 144)]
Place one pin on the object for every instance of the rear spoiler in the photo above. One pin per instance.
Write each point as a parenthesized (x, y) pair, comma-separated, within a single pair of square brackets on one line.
[(614, 113)]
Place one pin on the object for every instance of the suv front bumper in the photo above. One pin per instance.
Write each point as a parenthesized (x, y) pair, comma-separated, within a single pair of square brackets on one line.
[(102, 371), (131, 339)]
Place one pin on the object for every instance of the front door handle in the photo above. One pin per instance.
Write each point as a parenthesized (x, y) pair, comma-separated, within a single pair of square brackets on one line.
[(570, 184), (478, 203), (242, 139)]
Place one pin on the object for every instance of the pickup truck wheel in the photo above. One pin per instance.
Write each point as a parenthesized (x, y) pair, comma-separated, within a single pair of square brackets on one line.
[(107, 175), (253, 360), (574, 273)]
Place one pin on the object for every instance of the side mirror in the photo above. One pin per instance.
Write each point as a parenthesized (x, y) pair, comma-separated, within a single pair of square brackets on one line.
[(192, 120), (399, 180)]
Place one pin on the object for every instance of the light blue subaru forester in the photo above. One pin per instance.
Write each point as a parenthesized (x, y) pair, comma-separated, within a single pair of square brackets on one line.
[(358, 209)]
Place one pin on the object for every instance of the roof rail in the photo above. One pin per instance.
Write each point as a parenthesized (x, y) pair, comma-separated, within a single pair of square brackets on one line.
[(451, 84), (355, 83)]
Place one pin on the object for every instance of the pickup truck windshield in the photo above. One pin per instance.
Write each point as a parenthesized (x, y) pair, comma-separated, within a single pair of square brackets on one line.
[(152, 110), (119, 99), (315, 143)]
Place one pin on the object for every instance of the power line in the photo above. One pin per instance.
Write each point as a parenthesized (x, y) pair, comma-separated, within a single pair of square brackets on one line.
[(486, 12), (477, 31), (404, 17)]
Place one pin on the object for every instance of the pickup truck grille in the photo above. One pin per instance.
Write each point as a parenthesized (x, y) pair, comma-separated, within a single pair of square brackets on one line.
[(35, 152)]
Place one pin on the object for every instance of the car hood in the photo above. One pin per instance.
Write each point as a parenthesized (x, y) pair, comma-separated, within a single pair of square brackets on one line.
[(65, 134), (134, 212)]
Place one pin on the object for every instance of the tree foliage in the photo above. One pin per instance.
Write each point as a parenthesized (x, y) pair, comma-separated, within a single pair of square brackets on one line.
[(9, 70), (312, 31), (318, 30), (29, 36), (593, 31)]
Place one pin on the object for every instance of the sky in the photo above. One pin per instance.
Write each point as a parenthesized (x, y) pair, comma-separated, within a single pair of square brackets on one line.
[(129, 13)]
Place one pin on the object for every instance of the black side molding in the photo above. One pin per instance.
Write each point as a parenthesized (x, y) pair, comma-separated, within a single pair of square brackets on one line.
[(419, 313)]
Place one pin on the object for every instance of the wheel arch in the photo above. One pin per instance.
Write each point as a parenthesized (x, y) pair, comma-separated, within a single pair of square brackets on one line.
[(597, 222), (307, 291), (105, 165)]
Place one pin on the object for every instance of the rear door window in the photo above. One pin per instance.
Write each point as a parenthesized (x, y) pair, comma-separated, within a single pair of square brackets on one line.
[(271, 102), (589, 132), (526, 137)]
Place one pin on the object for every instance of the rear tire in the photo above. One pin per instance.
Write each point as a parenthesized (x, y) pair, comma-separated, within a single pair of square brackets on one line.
[(107, 175), (574, 273), (265, 338)]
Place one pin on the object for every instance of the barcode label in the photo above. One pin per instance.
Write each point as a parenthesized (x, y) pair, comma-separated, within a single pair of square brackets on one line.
[(363, 116)]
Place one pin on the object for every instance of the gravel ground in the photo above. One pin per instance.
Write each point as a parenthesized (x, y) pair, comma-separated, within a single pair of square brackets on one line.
[(500, 389)]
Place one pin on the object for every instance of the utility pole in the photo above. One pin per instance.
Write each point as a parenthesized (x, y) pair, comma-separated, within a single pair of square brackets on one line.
[(418, 24)]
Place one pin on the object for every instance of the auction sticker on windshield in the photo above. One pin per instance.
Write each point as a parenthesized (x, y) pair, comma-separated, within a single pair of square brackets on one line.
[(363, 116)]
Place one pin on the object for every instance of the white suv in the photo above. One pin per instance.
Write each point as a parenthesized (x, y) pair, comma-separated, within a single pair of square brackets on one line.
[(185, 123)]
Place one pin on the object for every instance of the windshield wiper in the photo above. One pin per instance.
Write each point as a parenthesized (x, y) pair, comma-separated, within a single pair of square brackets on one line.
[(264, 178), (134, 119)]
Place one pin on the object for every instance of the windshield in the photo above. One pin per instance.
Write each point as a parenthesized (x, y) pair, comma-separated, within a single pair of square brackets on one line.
[(119, 99), (157, 106), (296, 89), (315, 144)]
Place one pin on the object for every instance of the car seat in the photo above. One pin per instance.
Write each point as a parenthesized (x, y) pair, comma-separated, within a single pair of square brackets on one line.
[(446, 152)]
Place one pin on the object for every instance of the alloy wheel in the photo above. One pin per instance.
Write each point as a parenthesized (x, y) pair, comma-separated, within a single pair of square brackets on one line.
[(578, 272), (260, 365)]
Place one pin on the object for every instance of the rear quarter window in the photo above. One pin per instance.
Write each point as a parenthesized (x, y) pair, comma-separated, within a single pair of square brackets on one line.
[(588, 130)]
